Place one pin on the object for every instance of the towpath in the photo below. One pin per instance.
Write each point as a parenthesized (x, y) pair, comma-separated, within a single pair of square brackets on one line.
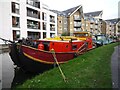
[(115, 67)]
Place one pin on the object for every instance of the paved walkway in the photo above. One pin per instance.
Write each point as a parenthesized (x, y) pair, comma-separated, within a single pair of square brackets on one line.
[(115, 67)]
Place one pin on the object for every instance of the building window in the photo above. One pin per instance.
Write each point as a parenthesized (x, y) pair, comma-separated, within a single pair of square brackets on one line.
[(44, 16), (33, 13), (44, 34), (60, 28), (15, 8), (44, 25), (34, 35), (16, 35), (52, 27), (52, 35), (60, 21), (34, 3), (33, 24), (52, 19), (15, 21), (74, 47)]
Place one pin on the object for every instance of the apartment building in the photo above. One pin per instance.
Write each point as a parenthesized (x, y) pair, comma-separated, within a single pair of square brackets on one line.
[(62, 24), (93, 22), (113, 27), (103, 27), (70, 20), (26, 18)]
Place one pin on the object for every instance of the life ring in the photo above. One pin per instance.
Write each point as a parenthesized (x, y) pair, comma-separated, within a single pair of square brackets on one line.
[(40, 46)]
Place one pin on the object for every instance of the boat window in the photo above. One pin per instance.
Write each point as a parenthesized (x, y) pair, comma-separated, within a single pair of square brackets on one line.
[(74, 47), (46, 46)]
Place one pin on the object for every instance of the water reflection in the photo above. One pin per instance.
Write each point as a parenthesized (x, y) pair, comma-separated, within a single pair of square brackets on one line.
[(12, 75), (7, 70), (21, 76)]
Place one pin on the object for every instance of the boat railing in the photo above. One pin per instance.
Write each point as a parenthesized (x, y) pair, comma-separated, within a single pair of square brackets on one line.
[(82, 48), (5, 40)]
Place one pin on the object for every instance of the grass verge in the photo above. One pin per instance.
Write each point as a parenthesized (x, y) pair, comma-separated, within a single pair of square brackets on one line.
[(90, 70)]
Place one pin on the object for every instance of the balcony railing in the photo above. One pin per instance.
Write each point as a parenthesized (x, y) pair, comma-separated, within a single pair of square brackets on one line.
[(79, 29), (17, 11), (52, 20), (77, 18), (52, 29), (34, 3), (77, 24), (17, 25), (33, 15), (33, 24)]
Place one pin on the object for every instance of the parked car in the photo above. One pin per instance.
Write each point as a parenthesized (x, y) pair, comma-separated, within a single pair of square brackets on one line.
[(99, 40), (110, 40)]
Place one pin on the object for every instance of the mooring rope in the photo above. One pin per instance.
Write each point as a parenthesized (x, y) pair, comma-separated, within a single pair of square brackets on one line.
[(53, 53)]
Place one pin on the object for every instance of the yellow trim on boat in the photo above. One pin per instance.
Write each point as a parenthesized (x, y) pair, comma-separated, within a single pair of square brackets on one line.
[(38, 60)]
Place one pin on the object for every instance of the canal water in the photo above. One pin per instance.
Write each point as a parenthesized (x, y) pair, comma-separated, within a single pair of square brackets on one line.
[(10, 75)]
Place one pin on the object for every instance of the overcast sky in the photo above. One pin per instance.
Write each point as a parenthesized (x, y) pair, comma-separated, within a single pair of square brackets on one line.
[(109, 7)]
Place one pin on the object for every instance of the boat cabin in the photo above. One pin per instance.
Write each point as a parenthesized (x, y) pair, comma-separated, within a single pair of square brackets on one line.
[(85, 36), (61, 45)]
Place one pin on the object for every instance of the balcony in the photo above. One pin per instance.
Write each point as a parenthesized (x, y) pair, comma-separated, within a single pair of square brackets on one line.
[(33, 13), (15, 22), (15, 8), (34, 3), (44, 25), (52, 27), (96, 26), (44, 16), (16, 35), (33, 24), (77, 29), (52, 19), (91, 27), (77, 18), (92, 21), (77, 24)]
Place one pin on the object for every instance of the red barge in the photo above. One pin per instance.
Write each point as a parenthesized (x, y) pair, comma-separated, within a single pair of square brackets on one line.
[(38, 55)]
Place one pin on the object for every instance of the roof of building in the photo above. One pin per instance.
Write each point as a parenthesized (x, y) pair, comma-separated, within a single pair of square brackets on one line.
[(60, 13), (96, 13), (71, 10), (114, 21), (67, 12)]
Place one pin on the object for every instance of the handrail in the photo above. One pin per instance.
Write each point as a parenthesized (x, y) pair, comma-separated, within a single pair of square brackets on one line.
[(5, 40)]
